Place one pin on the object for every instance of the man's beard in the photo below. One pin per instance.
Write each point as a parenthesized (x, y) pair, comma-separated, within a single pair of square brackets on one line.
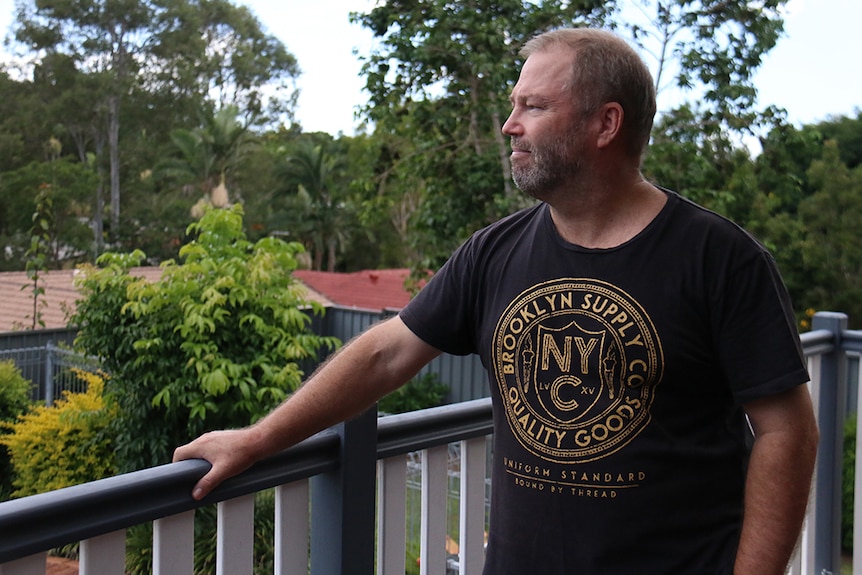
[(548, 165)]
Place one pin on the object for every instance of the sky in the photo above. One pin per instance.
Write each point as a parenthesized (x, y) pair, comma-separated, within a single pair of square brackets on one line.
[(814, 72)]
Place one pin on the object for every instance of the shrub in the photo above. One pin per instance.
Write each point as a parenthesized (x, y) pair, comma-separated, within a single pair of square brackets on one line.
[(216, 342), (14, 400), (62, 445), (420, 392)]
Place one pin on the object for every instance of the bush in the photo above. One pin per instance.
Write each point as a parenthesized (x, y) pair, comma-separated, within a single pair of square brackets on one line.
[(419, 393), (14, 400), (63, 445), (216, 342)]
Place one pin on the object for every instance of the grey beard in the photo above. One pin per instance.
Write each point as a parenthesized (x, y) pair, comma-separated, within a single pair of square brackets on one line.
[(544, 175), (550, 167)]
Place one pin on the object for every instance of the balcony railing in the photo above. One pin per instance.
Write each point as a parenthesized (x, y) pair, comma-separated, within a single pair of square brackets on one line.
[(340, 495)]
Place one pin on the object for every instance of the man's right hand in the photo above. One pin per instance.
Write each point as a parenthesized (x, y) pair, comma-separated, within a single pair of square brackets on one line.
[(230, 452)]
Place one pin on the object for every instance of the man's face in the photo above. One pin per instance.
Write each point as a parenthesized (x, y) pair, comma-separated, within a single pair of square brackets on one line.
[(547, 131)]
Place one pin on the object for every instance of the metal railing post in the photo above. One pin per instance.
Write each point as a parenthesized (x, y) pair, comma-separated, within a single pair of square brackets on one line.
[(830, 417), (343, 504), (49, 374)]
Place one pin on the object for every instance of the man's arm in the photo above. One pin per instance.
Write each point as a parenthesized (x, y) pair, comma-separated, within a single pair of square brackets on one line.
[(370, 366), (779, 481)]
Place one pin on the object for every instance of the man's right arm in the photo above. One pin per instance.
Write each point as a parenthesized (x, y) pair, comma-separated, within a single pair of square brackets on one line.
[(370, 366)]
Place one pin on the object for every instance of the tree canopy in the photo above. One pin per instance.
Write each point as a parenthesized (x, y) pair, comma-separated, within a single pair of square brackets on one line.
[(171, 101), (174, 49)]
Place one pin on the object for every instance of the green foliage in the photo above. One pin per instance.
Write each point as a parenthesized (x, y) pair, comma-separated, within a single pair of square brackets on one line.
[(420, 392), (848, 479), (14, 391), (14, 401), (832, 247), (691, 160), (216, 342), (847, 132), (719, 46), (181, 54), (208, 155), (439, 83), (317, 208), (55, 234), (37, 254), (62, 445)]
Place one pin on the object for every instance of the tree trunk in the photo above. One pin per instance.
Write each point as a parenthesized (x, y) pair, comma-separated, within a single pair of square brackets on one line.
[(114, 154), (474, 116), (330, 264), (99, 218), (99, 212), (503, 153)]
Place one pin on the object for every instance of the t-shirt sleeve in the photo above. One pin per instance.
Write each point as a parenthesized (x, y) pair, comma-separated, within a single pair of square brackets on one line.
[(443, 313), (756, 332)]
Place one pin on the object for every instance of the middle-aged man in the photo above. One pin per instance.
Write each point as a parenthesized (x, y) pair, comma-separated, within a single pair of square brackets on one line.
[(627, 333)]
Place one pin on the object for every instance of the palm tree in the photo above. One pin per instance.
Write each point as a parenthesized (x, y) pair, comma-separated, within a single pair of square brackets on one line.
[(207, 156), (319, 212)]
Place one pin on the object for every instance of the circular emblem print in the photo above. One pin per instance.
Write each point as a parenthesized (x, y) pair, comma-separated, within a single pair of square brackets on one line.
[(577, 362)]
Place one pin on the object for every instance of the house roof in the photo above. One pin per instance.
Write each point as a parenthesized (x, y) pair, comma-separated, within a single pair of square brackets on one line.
[(376, 290), (372, 290), (54, 305)]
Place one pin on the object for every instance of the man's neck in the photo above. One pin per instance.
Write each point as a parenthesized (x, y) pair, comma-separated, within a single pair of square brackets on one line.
[(608, 216)]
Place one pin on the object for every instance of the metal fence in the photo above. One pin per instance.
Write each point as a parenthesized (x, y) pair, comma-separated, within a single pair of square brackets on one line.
[(51, 369), (44, 357)]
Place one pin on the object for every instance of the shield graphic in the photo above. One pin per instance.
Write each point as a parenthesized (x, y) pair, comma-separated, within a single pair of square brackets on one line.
[(571, 372)]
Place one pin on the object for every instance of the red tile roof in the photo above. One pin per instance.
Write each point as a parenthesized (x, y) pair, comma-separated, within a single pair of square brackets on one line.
[(373, 290), (54, 306)]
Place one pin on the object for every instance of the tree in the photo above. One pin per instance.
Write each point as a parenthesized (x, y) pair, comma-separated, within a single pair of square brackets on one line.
[(832, 246), (442, 72), (846, 131), (208, 155), (384, 200), (23, 130), (68, 184), (713, 47), (318, 206), (75, 107), (217, 342), (185, 47)]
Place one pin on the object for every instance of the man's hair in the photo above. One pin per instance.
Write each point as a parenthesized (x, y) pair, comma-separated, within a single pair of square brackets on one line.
[(606, 69)]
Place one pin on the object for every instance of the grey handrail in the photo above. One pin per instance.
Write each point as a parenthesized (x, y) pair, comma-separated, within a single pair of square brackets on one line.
[(41, 522)]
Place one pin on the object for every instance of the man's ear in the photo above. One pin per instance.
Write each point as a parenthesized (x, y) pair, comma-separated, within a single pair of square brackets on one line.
[(610, 116)]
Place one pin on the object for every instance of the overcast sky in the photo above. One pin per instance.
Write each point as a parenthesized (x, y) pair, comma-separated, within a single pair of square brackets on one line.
[(814, 72)]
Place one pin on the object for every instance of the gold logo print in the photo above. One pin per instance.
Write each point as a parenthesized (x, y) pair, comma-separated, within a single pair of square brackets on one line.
[(576, 362)]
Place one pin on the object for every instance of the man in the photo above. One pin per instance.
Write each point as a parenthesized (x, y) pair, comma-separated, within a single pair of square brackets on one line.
[(627, 333)]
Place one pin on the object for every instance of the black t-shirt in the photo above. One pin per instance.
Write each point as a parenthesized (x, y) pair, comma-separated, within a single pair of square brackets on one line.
[(617, 377)]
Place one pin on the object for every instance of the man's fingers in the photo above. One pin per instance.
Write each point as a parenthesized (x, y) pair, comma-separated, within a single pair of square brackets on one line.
[(203, 487), (185, 452), (212, 478), (224, 451)]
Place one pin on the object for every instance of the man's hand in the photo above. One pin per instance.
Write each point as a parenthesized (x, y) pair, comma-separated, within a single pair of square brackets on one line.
[(230, 452)]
